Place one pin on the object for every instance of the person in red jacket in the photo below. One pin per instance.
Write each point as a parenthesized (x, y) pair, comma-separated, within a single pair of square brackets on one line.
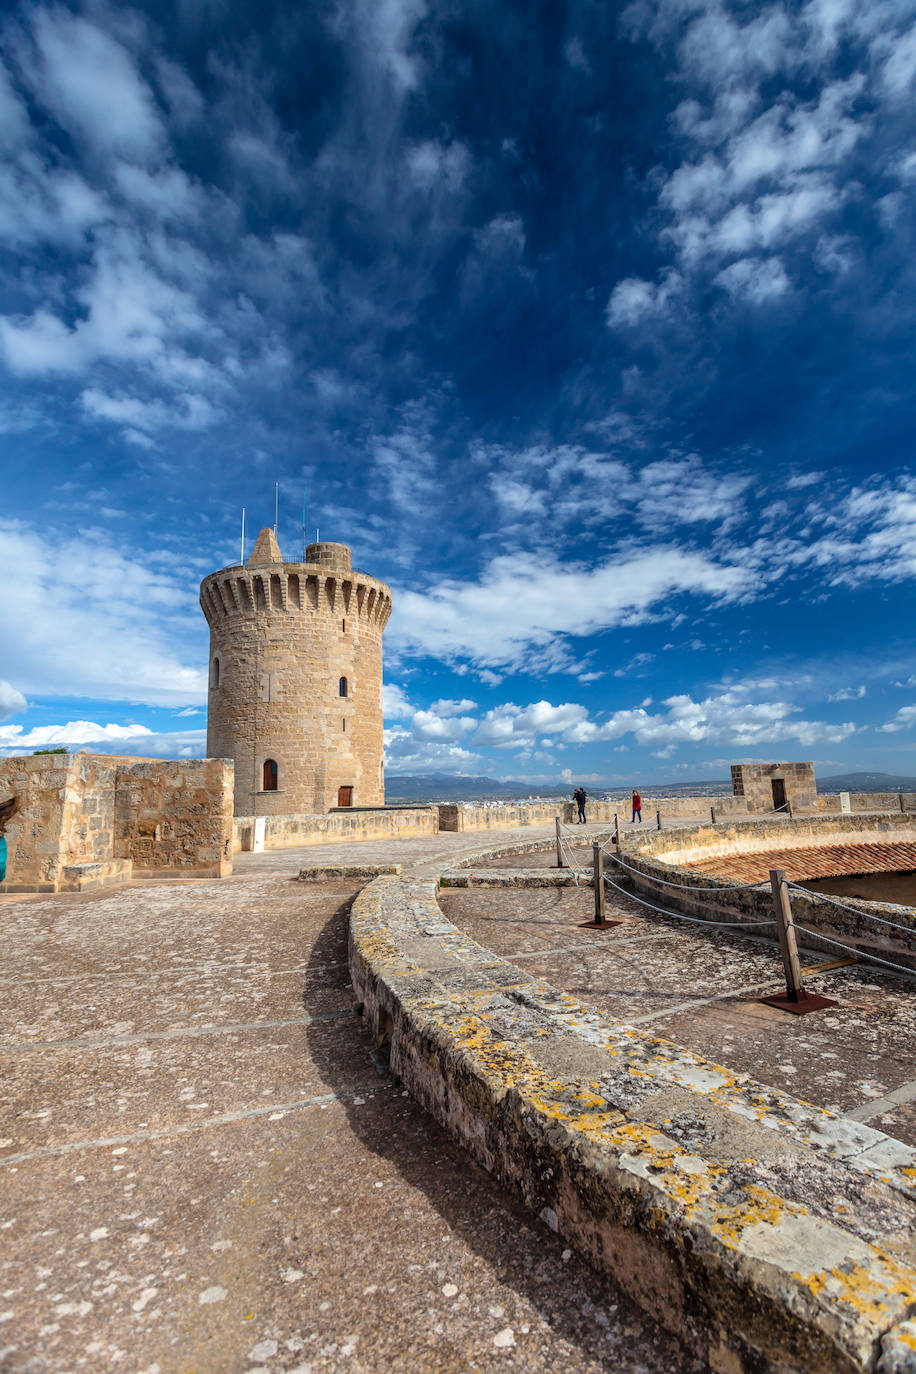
[(637, 806)]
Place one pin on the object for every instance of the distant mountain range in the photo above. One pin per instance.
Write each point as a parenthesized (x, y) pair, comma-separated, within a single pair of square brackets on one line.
[(867, 782), (454, 787)]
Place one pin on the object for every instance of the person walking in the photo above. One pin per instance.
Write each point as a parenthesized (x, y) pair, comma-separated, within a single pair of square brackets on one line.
[(637, 807), (580, 797)]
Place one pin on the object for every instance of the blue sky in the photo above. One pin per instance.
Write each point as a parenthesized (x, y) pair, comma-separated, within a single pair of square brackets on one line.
[(588, 327)]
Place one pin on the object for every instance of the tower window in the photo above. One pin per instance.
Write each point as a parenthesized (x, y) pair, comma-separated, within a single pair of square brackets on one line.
[(214, 671), (270, 775), (344, 723), (343, 626), (343, 688)]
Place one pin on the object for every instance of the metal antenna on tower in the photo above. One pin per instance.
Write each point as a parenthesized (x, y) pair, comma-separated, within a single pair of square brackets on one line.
[(276, 506), (303, 524), (242, 553)]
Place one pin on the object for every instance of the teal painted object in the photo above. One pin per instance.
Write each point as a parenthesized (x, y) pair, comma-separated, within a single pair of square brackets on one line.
[(2, 858)]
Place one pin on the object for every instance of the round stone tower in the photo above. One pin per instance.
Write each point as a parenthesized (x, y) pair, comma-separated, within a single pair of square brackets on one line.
[(296, 679)]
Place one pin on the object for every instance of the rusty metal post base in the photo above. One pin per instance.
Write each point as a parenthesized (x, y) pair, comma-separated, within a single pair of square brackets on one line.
[(807, 1001), (599, 925)]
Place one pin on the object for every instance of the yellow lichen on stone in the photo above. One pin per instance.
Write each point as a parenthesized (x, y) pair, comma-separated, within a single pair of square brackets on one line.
[(868, 1289)]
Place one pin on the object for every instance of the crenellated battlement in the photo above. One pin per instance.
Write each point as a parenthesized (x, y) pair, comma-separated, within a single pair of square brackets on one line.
[(295, 588)]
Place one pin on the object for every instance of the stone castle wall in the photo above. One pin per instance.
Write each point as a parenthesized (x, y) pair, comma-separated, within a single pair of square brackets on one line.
[(174, 816), (90, 818), (282, 637), (458, 816), (284, 832)]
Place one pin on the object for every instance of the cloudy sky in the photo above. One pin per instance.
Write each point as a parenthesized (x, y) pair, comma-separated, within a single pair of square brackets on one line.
[(588, 326)]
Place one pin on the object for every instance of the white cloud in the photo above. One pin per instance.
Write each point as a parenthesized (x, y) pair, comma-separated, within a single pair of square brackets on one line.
[(91, 84), (405, 754), (755, 280), (191, 412), (443, 166), (427, 725), (523, 608), (765, 163), (445, 707), (16, 739), (385, 28), (726, 719), (90, 620), (395, 705), (132, 314), (11, 700), (634, 300), (903, 720), (847, 694), (868, 533)]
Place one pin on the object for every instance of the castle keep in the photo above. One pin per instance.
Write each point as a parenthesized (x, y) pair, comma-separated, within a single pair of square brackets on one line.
[(295, 695)]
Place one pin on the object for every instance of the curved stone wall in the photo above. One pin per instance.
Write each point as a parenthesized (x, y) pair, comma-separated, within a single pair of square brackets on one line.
[(655, 869), (571, 1109)]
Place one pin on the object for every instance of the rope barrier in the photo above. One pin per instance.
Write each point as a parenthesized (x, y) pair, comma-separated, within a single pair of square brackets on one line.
[(858, 953), (573, 863), (679, 916), (685, 887), (822, 897)]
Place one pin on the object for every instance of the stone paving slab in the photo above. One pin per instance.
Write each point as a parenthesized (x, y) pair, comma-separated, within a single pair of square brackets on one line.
[(310, 1218)]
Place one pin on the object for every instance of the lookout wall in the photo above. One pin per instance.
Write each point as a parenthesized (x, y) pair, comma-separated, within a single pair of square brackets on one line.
[(90, 819)]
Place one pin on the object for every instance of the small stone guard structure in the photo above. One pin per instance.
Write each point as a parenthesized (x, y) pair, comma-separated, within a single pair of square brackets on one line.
[(775, 786)]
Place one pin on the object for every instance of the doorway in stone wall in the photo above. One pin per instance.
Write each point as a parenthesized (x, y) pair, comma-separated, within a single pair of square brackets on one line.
[(345, 796), (779, 794)]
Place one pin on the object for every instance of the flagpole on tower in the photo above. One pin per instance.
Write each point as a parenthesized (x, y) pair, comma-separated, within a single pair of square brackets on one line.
[(276, 507), (242, 552)]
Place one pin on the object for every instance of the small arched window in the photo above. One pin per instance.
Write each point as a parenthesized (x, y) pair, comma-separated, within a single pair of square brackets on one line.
[(342, 687), (215, 671), (270, 775)]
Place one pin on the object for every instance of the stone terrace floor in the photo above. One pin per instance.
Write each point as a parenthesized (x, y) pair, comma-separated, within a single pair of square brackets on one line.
[(204, 1171), (700, 987)]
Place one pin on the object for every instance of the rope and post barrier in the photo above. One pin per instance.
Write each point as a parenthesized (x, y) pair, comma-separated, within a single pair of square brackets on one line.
[(560, 860), (658, 819), (616, 831), (598, 876), (796, 999), (712, 812)]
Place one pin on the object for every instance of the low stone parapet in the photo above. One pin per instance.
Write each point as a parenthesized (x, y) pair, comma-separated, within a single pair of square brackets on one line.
[(320, 873), (505, 815), (287, 832), (770, 1234)]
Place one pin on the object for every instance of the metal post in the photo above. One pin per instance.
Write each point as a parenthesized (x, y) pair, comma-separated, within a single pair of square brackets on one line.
[(658, 820), (598, 874), (789, 808), (795, 990), (712, 812), (616, 830), (561, 863)]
